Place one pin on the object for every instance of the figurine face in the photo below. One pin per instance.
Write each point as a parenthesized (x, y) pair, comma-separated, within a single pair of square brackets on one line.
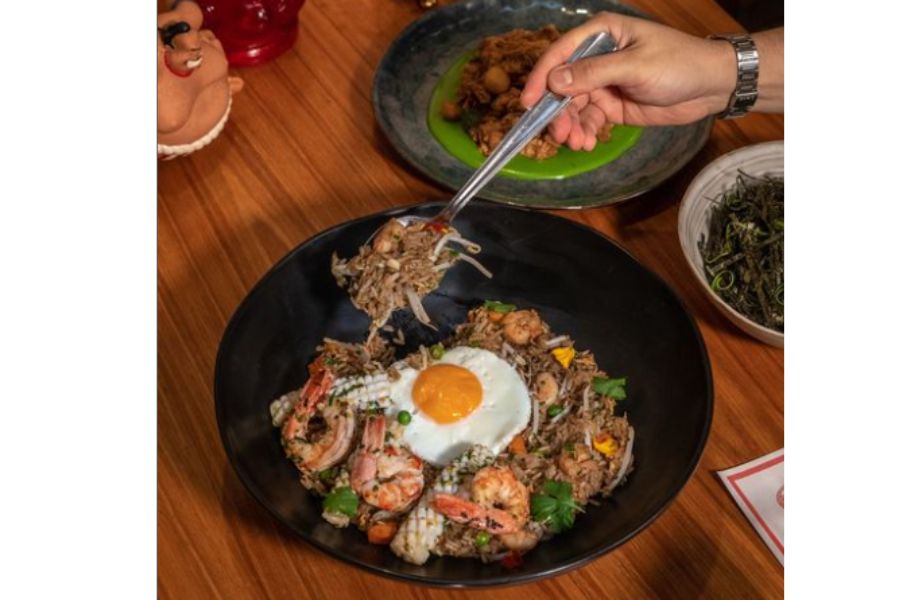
[(193, 87), (180, 35)]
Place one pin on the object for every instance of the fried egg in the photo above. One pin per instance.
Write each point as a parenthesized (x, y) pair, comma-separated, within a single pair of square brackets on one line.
[(469, 396)]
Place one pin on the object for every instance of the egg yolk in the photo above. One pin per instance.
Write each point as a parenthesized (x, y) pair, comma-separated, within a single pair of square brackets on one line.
[(446, 393)]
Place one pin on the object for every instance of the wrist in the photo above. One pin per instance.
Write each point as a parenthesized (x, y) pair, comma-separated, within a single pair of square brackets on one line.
[(721, 71)]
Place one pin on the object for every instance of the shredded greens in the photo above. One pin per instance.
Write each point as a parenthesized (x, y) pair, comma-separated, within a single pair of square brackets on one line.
[(743, 252)]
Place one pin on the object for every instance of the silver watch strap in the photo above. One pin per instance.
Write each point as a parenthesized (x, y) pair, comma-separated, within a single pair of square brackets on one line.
[(746, 88)]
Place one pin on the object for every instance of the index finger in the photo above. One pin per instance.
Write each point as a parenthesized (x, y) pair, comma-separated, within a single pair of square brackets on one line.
[(560, 51), (556, 54)]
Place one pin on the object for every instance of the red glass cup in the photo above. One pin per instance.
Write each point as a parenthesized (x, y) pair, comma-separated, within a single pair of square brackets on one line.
[(252, 31)]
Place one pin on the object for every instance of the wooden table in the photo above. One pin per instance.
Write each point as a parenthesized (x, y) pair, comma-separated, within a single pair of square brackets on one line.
[(302, 153)]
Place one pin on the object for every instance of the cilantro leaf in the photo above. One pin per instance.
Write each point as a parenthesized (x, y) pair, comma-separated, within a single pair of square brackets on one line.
[(555, 506), (500, 307), (342, 500), (542, 507), (614, 388)]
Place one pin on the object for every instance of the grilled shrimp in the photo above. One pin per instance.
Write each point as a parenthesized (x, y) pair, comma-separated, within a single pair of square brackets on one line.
[(546, 387), (575, 463), (386, 240), (521, 541), (390, 478), (500, 502), (522, 326), (317, 436)]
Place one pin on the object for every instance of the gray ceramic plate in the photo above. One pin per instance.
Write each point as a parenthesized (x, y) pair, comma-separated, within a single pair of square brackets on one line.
[(414, 63)]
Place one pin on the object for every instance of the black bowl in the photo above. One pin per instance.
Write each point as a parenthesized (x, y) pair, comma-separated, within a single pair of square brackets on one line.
[(580, 282)]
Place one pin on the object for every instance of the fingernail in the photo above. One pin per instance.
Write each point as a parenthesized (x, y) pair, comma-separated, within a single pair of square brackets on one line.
[(561, 77)]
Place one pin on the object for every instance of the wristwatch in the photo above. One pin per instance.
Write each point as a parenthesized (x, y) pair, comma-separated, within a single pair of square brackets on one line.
[(745, 90)]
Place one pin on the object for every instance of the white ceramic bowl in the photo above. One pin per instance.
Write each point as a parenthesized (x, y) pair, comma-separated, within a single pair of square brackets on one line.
[(693, 218)]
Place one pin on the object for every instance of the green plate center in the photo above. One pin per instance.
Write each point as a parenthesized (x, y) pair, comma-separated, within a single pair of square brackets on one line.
[(566, 163)]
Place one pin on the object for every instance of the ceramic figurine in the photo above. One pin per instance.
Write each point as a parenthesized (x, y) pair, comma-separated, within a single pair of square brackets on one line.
[(193, 89)]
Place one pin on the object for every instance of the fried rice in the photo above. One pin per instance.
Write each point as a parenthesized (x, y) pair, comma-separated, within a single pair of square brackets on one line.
[(577, 440)]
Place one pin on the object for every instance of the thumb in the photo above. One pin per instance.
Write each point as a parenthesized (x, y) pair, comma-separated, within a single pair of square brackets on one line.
[(586, 75)]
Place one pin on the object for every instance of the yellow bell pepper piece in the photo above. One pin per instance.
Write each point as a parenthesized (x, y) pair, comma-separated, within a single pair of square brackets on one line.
[(605, 444), (564, 356)]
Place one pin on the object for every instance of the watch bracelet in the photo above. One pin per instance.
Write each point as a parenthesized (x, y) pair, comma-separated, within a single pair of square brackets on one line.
[(746, 88)]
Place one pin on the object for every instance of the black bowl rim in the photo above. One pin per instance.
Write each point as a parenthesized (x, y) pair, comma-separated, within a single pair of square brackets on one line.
[(512, 578), (579, 203)]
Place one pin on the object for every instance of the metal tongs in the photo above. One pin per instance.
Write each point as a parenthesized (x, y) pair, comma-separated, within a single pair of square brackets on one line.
[(529, 125)]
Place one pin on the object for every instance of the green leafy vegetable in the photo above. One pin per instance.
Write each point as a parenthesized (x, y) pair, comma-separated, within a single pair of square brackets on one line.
[(555, 506), (553, 410), (500, 307), (326, 474), (614, 388), (743, 248), (342, 500)]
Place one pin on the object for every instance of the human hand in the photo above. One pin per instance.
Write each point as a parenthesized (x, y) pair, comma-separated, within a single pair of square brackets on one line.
[(658, 76)]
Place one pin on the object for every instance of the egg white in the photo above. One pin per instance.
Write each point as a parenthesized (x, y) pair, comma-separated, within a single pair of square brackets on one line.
[(505, 409)]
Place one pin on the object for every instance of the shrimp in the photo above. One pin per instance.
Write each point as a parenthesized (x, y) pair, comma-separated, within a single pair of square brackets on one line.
[(546, 388), (521, 541), (474, 515), (522, 326), (577, 462), (386, 240), (500, 502), (317, 436), (391, 477)]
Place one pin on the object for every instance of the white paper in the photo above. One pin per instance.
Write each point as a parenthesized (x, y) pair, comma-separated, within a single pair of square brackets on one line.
[(758, 489)]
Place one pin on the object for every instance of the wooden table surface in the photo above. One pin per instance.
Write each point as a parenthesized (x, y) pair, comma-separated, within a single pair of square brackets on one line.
[(301, 153)]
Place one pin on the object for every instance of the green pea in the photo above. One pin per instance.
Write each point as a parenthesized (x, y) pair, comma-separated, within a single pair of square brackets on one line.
[(554, 410), (437, 351), (404, 417), (482, 538)]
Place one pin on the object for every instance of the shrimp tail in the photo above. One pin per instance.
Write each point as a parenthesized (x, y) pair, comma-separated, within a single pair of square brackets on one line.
[(469, 513)]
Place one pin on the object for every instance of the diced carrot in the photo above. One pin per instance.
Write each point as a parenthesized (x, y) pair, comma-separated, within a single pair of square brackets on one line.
[(495, 316), (382, 532), (517, 446)]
